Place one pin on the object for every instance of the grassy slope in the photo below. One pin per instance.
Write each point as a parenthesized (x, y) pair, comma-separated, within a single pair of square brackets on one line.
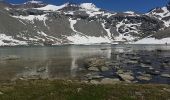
[(64, 90)]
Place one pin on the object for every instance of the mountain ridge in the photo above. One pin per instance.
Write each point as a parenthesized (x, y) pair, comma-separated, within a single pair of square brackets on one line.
[(37, 23)]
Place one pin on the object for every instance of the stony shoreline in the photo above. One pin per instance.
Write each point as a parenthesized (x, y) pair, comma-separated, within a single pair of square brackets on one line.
[(131, 67)]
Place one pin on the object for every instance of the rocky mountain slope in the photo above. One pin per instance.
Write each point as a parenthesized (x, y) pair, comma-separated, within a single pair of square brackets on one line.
[(37, 23)]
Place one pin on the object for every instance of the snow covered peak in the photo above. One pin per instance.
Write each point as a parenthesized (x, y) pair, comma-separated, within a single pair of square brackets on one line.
[(53, 7), (89, 6), (129, 12), (34, 2), (159, 12)]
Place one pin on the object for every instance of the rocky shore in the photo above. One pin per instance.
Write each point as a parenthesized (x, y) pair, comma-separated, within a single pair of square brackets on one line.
[(131, 67)]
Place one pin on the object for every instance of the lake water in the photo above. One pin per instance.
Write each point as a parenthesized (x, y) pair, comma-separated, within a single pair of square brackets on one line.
[(61, 62)]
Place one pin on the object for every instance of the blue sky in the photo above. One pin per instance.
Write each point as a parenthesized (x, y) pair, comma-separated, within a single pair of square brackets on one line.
[(139, 6)]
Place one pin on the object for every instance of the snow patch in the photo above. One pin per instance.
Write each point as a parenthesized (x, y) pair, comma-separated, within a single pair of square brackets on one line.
[(7, 8), (51, 38), (93, 13), (80, 39), (69, 12), (10, 41), (123, 38), (160, 15), (72, 23), (52, 7), (153, 41), (89, 6), (130, 12), (107, 30), (32, 17), (108, 14), (167, 23)]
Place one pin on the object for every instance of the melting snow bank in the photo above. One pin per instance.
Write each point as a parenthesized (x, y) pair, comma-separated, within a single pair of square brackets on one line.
[(52, 7), (9, 41), (32, 17), (81, 39), (152, 41)]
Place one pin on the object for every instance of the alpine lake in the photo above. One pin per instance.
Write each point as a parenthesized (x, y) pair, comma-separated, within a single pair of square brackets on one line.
[(87, 63)]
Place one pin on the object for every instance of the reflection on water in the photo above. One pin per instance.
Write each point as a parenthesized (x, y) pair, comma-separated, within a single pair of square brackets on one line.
[(46, 62), (80, 52), (59, 61)]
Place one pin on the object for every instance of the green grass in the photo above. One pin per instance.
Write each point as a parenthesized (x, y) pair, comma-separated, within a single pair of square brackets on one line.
[(64, 90)]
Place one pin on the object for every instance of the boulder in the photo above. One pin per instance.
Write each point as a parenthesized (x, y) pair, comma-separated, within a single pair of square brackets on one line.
[(94, 82), (93, 69), (109, 81), (95, 62), (93, 76), (42, 69), (1, 93), (127, 76), (104, 68), (145, 77)]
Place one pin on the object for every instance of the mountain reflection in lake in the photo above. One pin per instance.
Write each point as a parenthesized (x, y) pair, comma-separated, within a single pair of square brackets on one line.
[(144, 63)]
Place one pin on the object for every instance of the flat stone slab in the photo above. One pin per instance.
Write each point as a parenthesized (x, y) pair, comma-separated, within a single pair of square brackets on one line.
[(109, 81), (126, 76), (145, 77)]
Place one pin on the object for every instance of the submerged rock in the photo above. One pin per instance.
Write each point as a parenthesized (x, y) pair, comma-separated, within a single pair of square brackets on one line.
[(93, 76), (95, 62), (153, 72), (42, 69), (149, 62), (135, 58), (165, 75), (132, 62), (146, 66), (11, 57)]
